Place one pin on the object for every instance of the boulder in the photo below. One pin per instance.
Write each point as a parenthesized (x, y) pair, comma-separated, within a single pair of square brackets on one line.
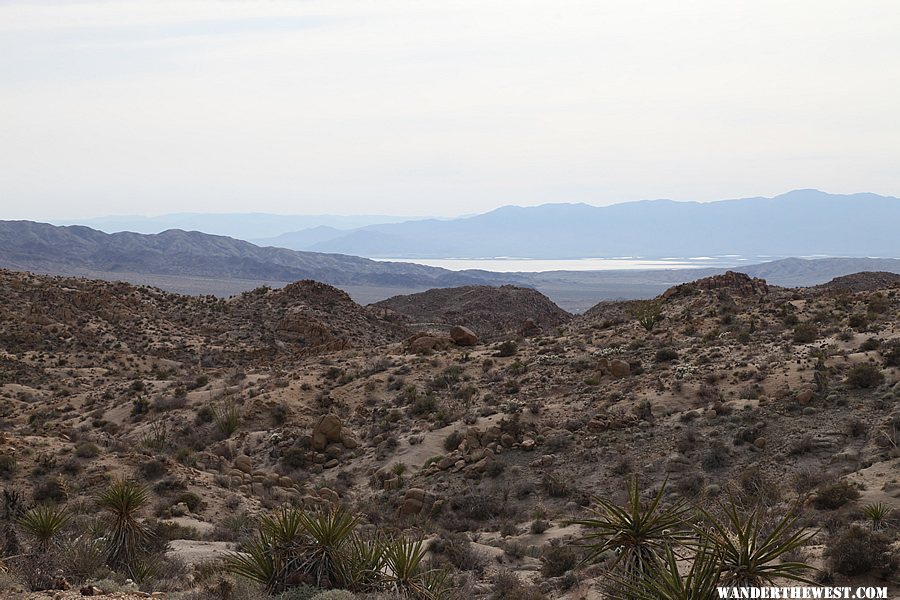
[(805, 397), (328, 429), (243, 463), (427, 343), (619, 368), (463, 336)]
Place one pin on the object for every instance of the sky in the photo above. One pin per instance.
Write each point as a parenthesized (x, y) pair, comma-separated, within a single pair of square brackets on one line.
[(439, 107)]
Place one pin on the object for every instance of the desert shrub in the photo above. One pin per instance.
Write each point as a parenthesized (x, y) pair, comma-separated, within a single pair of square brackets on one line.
[(865, 375), (478, 506), (459, 552), (152, 469), (805, 333), (295, 458), (301, 592), (191, 500), (666, 355), (858, 322), (807, 479), (715, 457), (508, 586), (423, 404), (539, 526), (86, 450), (167, 403), (507, 348), (83, 559), (647, 313), (892, 355), (857, 550), (452, 441), (557, 559), (870, 344), (50, 491), (556, 487), (835, 495), (227, 418), (7, 465), (204, 415), (877, 304)]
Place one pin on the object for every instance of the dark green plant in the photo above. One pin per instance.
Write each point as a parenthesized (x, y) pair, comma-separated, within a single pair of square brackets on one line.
[(877, 513), (637, 533), (293, 545), (407, 574), (857, 550), (227, 418), (750, 548), (647, 313), (127, 536), (44, 523), (666, 581)]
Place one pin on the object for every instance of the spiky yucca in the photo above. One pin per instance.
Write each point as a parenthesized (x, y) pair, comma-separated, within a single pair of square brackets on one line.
[(637, 533), (127, 536), (877, 513), (665, 581), (44, 523), (407, 574), (750, 547), (294, 546)]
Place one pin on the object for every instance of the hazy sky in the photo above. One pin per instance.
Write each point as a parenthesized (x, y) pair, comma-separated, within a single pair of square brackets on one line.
[(439, 107)]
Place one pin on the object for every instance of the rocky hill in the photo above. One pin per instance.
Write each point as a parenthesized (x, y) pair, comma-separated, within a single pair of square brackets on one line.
[(72, 316), (489, 311), (864, 282), (771, 401)]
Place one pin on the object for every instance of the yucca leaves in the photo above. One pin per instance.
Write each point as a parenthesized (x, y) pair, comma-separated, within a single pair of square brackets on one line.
[(750, 549), (741, 548), (637, 533), (665, 581), (365, 564), (324, 556), (877, 513), (407, 573), (294, 546), (258, 562), (44, 523), (127, 536)]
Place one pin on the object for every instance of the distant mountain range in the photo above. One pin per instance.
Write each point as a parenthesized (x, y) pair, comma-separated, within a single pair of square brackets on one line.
[(243, 226), (78, 250), (799, 223), (199, 263)]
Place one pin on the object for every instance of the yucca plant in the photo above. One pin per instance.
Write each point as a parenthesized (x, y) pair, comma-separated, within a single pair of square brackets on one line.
[(637, 533), (365, 564), (325, 555), (750, 548), (258, 562), (665, 581), (44, 523), (127, 536), (877, 513), (294, 546), (407, 573)]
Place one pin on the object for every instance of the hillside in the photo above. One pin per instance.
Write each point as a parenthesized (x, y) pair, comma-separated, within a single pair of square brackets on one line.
[(489, 311), (77, 250), (222, 411)]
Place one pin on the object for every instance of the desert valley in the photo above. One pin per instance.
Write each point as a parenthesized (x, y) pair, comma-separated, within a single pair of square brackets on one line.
[(481, 433)]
